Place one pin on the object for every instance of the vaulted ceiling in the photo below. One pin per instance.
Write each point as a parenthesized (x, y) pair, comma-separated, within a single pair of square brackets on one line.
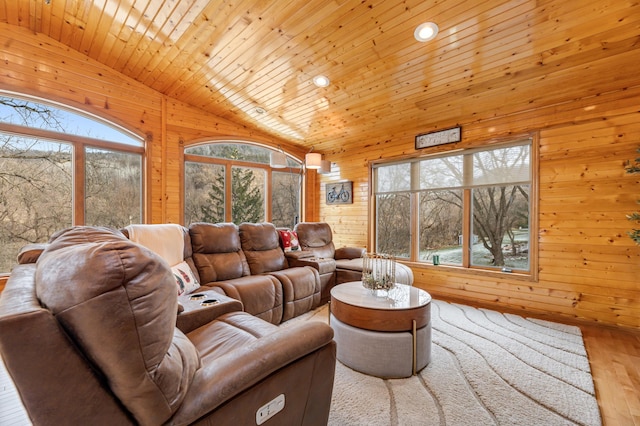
[(252, 61)]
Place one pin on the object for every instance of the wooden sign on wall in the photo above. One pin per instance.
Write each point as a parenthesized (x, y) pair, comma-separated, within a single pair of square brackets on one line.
[(439, 137)]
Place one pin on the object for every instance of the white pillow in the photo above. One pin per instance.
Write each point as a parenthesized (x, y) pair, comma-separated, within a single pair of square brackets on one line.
[(185, 279)]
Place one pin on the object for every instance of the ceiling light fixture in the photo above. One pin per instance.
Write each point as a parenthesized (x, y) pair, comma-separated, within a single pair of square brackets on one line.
[(313, 160), (325, 167), (321, 81), (425, 32)]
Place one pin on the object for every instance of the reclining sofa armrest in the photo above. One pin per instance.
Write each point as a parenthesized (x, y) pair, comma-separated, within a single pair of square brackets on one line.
[(30, 253), (220, 380), (349, 252), (196, 312), (298, 254), (323, 266)]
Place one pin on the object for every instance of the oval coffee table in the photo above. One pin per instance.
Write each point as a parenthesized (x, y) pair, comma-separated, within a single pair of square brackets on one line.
[(383, 335)]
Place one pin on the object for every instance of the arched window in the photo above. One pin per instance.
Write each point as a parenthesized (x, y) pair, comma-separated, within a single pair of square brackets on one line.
[(61, 167), (235, 182)]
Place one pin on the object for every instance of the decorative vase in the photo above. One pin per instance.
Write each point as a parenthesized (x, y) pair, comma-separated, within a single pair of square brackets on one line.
[(378, 273)]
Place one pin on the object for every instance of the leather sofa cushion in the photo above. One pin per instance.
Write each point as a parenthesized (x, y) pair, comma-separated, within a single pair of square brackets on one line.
[(350, 264), (261, 245), (217, 253), (117, 300), (261, 295), (316, 237)]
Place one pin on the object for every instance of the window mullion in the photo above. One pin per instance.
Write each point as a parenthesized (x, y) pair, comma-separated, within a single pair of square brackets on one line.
[(415, 207), (79, 184), (466, 228), (228, 198)]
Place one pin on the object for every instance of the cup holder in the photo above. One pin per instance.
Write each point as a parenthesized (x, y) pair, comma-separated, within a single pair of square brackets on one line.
[(209, 302), (197, 296)]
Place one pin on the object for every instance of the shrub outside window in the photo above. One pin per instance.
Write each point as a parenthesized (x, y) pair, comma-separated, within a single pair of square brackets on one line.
[(468, 209)]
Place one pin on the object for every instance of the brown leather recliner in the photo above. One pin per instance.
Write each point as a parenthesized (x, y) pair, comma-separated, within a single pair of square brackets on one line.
[(88, 336), (300, 285), (317, 237), (222, 265)]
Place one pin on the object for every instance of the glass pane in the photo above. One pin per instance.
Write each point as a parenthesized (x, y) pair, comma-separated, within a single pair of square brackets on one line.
[(47, 117), (35, 193), (396, 177), (203, 193), (440, 226), (441, 172), (285, 199), (237, 151), (501, 227), (506, 165), (113, 188), (247, 195), (393, 224)]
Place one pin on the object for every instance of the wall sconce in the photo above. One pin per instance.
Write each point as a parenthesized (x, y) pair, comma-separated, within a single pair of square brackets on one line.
[(313, 160), (278, 160)]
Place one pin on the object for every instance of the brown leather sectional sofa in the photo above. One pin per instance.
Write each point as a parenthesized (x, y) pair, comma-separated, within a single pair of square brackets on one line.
[(247, 263), (90, 333)]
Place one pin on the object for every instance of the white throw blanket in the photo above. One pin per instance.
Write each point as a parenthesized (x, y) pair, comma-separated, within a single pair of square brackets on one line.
[(166, 240)]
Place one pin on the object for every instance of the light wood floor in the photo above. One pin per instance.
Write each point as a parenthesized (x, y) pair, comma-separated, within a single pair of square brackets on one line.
[(615, 364)]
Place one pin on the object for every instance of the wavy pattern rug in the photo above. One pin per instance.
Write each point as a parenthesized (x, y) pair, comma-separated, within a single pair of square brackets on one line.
[(486, 368)]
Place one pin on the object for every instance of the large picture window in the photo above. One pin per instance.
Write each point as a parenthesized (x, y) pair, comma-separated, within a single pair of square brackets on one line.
[(58, 168), (234, 182), (468, 209)]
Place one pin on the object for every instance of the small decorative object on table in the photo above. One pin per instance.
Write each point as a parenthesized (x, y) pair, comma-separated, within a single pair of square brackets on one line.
[(378, 271)]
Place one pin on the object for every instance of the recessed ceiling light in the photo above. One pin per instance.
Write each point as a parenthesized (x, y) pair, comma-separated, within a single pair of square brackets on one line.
[(321, 81), (425, 32), (259, 110)]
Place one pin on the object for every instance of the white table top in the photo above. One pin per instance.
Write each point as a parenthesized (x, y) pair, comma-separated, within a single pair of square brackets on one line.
[(400, 297)]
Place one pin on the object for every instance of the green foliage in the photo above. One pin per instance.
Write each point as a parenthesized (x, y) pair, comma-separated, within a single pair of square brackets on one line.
[(247, 199), (634, 217), (248, 204), (213, 208)]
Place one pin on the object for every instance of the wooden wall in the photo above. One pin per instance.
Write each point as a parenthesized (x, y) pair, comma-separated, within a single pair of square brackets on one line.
[(588, 267), (39, 66)]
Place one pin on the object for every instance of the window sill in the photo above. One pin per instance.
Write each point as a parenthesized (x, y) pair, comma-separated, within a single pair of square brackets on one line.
[(452, 269)]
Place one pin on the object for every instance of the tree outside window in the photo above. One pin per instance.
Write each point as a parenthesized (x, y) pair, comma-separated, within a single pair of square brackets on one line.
[(35, 193), (113, 195), (285, 199), (247, 195), (485, 192), (257, 192), (39, 190)]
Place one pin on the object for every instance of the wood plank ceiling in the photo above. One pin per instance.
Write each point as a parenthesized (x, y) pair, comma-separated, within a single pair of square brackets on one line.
[(231, 57)]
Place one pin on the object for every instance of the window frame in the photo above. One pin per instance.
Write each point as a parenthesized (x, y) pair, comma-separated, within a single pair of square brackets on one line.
[(228, 164), (466, 267), (78, 145)]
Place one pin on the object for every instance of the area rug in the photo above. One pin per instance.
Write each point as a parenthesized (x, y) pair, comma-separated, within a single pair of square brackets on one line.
[(486, 368)]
